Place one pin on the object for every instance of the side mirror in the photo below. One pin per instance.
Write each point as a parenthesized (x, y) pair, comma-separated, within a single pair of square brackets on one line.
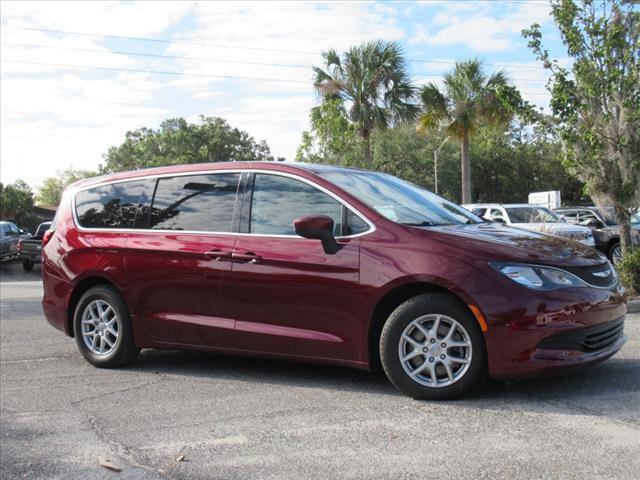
[(319, 227), (594, 223)]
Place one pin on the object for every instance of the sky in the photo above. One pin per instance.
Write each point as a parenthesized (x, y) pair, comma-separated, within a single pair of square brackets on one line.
[(76, 76)]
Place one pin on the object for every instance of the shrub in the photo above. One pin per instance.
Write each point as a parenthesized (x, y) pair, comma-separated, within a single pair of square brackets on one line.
[(629, 269)]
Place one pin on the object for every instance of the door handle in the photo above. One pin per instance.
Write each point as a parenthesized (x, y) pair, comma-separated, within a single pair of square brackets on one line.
[(245, 257), (218, 255)]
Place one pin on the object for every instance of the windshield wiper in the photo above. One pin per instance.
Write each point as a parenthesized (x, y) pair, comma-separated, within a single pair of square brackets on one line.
[(424, 223)]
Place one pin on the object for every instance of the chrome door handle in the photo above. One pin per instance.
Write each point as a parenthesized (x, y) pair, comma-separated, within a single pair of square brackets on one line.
[(218, 255), (245, 257)]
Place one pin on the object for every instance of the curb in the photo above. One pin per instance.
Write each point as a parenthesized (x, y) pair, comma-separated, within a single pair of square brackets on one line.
[(633, 305)]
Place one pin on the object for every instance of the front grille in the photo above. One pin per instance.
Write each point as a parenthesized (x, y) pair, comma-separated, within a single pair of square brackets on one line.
[(602, 275), (589, 339)]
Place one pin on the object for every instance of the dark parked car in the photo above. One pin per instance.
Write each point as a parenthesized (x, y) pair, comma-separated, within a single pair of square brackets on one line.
[(10, 235), (321, 264), (606, 230), (30, 248)]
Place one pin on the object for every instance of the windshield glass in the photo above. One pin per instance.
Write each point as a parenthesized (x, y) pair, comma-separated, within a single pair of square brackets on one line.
[(610, 219), (532, 215), (400, 201)]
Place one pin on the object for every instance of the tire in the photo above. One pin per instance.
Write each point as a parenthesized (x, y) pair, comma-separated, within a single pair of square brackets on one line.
[(105, 313), (27, 265), (615, 253), (456, 381)]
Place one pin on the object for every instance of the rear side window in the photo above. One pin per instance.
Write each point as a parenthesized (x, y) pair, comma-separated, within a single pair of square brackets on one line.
[(277, 201), (113, 206), (195, 202)]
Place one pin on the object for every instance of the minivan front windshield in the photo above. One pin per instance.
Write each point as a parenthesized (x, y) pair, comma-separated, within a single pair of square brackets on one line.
[(400, 201)]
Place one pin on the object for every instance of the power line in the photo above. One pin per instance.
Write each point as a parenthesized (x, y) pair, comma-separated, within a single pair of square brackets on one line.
[(201, 59), (181, 74), (159, 72), (216, 45), (154, 55), (159, 40)]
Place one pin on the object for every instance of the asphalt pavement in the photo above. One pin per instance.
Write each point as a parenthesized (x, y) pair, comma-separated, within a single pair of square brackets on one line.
[(188, 415)]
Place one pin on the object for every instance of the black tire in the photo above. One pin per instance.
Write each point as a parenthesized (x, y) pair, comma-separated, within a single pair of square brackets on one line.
[(124, 350), (615, 246), (27, 265), (402, 317)]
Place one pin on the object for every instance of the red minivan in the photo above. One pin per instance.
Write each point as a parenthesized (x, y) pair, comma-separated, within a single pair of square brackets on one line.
[(321, 264)]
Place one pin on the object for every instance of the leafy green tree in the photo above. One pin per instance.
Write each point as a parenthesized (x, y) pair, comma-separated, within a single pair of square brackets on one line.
[(180, 142), (402, 152), (511, 163), (332, 138), (597, 99), (50, 192), (16, 204), (467, 100), (372, 82)]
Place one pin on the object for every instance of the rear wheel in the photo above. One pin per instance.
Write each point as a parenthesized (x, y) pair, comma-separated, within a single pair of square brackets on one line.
[(27, 265), (102, 328), (431, 347)]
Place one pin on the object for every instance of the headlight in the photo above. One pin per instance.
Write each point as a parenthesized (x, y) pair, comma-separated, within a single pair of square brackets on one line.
[(538, 277)]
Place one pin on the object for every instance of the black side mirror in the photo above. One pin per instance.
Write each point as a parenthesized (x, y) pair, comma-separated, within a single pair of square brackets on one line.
[(319, 227), (594, 223)]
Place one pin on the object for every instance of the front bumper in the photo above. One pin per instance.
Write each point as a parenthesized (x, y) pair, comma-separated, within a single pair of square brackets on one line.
[(554, 332)]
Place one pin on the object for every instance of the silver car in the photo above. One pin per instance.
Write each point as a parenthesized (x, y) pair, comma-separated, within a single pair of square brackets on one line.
[(532, 217)]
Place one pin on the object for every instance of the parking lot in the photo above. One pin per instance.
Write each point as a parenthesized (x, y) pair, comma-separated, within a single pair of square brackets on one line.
[(199, 416)]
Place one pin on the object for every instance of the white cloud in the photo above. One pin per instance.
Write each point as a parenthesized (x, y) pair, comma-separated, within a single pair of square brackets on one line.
[(116, 18), (480, 27), (55, 117)]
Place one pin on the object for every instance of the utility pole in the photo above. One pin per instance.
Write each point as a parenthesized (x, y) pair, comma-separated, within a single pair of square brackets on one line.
[(435, 163)]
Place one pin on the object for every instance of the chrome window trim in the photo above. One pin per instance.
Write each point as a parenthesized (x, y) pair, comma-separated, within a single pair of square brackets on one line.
[(372, 227)]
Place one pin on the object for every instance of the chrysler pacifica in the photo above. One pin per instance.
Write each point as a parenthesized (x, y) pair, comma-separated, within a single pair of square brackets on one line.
[(321, 264)]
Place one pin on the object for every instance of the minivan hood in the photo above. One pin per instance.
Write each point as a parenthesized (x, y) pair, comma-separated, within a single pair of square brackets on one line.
[(496, 241)]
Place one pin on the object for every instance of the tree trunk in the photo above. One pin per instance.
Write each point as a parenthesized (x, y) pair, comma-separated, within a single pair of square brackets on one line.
[(624, 220), (466, 169), (368, 155)]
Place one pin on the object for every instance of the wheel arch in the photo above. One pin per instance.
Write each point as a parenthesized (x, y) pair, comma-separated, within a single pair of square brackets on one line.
[(80, 288), (392, 300)]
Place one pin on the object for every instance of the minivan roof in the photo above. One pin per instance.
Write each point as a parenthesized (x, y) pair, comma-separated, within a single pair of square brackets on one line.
[(315, 168)]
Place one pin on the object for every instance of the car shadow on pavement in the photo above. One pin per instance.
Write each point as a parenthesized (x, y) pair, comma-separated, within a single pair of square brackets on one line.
[(581, 391)]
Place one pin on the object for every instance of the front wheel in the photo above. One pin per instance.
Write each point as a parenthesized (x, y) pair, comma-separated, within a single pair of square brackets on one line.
[(27, 265), (615, 253), (102, 328), (432, 348)]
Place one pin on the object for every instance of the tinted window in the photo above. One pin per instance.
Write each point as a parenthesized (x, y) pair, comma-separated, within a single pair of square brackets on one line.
[(532, 215), (195, 202), (495, 213), (112, 206), (354, 224), (278, 201)]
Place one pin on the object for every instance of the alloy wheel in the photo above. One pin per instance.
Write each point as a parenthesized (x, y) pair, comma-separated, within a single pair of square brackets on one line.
[(435, 350), (100, 327), (616, 255)]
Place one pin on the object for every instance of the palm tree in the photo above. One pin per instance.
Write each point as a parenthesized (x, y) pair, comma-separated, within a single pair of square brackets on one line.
[(372, 82), (469, 99)]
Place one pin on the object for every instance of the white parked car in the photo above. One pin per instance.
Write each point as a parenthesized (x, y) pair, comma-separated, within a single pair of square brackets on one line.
[(532, 217)]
